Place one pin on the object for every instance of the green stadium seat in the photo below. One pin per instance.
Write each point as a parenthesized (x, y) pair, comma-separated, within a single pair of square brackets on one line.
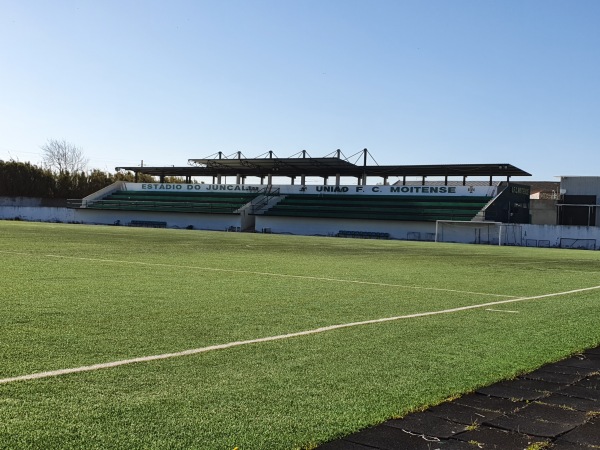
[(405, 208), (167, 201)]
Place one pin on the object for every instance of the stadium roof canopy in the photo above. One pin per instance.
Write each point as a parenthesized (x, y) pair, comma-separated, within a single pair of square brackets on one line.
[(320, 167)]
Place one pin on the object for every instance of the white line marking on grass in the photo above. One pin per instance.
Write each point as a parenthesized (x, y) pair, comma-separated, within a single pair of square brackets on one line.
[(501, 310), (270, 274), (543, 267), (17, 253), (194, 351), (547, 261), (550, 269)]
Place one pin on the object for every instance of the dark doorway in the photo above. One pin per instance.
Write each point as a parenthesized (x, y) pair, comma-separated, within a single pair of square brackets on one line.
[(570, 213)]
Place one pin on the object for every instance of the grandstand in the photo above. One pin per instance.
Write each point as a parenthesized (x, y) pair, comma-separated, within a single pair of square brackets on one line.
[(406, 210)]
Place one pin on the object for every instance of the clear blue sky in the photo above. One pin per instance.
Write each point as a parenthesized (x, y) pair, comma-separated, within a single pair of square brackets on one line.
[(415, 82)]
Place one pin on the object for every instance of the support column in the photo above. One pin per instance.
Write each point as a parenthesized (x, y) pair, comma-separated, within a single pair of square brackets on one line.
[(302, 180), (337, 179), (364, 177)]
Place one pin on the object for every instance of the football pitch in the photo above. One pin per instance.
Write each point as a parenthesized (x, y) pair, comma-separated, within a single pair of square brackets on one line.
[(116, 337)]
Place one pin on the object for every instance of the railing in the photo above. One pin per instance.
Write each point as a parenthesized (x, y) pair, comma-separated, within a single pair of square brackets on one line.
[(267, 195)]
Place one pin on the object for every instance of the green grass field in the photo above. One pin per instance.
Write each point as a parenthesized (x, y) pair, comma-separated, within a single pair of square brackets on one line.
[(75, 296)]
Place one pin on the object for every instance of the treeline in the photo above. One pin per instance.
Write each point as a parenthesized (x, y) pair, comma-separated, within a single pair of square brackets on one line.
[(19, 179)]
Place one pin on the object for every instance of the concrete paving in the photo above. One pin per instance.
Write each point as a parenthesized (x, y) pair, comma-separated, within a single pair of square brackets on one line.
[(556, 407)]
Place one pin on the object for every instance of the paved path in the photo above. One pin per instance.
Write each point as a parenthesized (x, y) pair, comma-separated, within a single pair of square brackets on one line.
[(555, 407)]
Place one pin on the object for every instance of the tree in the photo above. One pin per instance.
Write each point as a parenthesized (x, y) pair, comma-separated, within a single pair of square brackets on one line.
[(63, 157), (25, 180), (128, 176)]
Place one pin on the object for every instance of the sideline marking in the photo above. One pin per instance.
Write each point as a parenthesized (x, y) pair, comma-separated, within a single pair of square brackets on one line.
[(502, 310), (250, 272), (54, 373)]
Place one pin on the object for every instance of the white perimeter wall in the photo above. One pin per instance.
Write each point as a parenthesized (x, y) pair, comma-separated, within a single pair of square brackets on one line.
[(512, 234), (330, 227), (37, 214), (219, 222), (554, 234)]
